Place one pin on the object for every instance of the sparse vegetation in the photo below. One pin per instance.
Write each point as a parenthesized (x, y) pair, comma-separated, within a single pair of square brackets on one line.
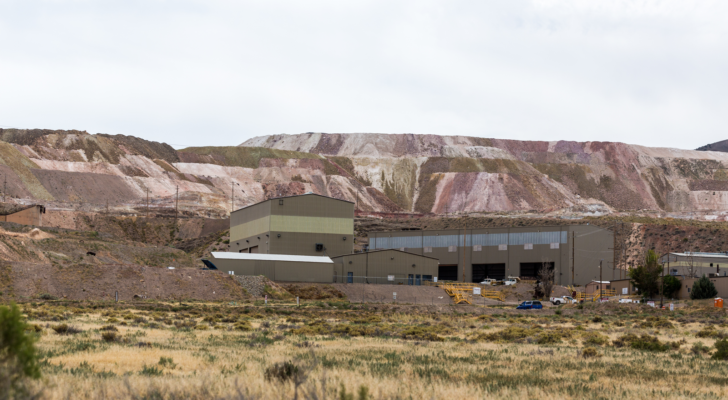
[(285, 351)]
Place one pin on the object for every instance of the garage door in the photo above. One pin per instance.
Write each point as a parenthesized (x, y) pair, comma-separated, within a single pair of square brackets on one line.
[(492, 271), (530, 270), (447, 273)]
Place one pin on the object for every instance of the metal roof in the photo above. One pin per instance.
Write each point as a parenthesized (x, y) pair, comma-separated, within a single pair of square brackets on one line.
[(295, 195), (700, 255), (270, 257), (378, 250)]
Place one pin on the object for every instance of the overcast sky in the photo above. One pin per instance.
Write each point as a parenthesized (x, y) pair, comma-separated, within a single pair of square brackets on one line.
[(196, 73)]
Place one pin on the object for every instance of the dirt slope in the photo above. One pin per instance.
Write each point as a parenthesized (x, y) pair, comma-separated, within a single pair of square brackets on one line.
[(100, 282)]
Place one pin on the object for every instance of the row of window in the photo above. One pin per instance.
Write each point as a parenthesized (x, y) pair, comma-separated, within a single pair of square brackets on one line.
[(481, 239)]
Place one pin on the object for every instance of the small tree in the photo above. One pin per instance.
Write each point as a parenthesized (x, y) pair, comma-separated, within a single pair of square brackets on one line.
[(18, 359), (646, 277), (703, 288), (546, 279), (670, 285)]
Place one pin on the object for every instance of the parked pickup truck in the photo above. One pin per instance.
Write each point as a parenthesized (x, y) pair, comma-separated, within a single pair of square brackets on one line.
[(562, 300), (509, 281), (530, 305), (489, 282)]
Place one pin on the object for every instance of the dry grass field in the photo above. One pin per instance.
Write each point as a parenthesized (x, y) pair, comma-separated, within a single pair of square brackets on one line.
[(337, 350)]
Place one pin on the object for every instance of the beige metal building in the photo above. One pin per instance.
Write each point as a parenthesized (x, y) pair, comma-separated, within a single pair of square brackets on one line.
[(385, 267), (277, 267), (308, 224), (720, 282), (471, 255), (22, 214), (695, 264)]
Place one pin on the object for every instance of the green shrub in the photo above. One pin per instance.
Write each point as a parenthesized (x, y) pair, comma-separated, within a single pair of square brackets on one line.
[(421, 333), (590, 352), (18, 356), (109, 337), (699, 348), (167, 362), (644, 342), (151, 371), (721, 347), (285, 371), (595, 338), (703, 288), (597, 319)]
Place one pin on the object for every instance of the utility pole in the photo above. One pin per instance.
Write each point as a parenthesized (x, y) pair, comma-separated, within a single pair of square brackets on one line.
[(465, 242), (614, 248), (176, 206)]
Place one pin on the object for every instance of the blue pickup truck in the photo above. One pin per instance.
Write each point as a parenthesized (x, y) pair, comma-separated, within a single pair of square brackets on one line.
[(530, 305)]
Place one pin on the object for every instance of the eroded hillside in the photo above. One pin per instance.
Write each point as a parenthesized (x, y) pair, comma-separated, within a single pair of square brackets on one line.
[(441, 174)]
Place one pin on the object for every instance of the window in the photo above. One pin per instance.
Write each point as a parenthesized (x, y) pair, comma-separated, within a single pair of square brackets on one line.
[(502, 247), (428, 249), (528, 246), (607, 287), (477, 247), (554, 245), (452, 249)]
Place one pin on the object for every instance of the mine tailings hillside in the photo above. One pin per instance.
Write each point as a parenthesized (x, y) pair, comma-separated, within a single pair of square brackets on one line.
[(440, 174), (74, 170)]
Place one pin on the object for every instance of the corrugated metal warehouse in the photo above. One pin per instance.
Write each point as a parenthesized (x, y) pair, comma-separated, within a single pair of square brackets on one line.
[(573, 251), (309, 224), (385, 267), (695, 264), (277, 267)]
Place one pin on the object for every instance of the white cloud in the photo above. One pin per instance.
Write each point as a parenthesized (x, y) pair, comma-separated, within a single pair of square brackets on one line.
[(218, 72)]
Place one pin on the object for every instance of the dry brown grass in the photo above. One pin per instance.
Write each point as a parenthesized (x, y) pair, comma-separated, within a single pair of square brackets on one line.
[(405, 354)]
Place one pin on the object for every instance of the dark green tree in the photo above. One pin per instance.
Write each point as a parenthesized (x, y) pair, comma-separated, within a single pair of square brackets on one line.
[(18, 358), (670, 286), (703, 288), (646, 277)]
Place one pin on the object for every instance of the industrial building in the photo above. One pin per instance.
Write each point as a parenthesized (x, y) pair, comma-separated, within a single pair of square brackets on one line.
[(22, 214), (695, 264), (471, 255), (385, 267), (277, 267), (307, 225)]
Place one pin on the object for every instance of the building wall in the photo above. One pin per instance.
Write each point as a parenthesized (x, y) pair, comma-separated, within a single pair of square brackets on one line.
[(680, 265), (301, 222), (281, 271), (549, 244), (29, 216), (620, 285), (248, 222), (721, 284), (381, 264)]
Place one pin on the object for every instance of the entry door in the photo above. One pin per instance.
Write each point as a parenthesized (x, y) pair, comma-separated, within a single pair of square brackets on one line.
[(410, 278), (349, 277), (418, 280)]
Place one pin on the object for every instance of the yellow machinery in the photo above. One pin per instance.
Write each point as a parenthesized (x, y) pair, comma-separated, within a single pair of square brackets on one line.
[(462, 292)]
